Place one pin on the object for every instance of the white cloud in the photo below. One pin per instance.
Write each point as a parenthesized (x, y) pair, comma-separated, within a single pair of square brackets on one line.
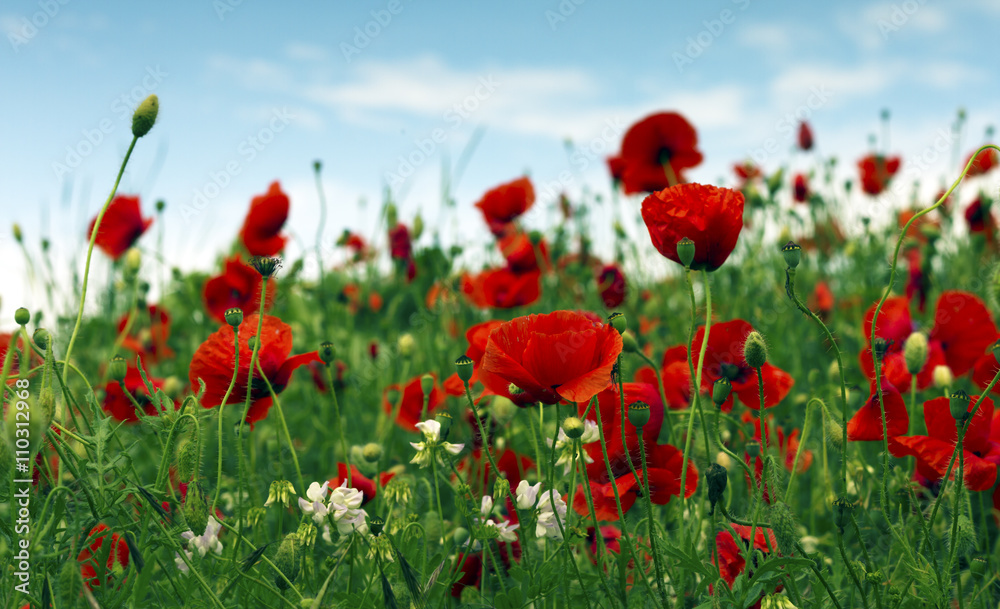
[(877, 24), (767, 36), (306, 52)]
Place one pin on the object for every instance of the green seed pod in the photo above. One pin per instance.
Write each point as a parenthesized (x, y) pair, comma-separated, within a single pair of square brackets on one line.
[(427, 384), (574, 426), (117, 369), (842, 509), (287, 561), (720, 391), (460, 535), (685, 252), (375, 525), (234, 316), (978, 566), (755, 350), (195, 509), (638, 414), (753, 449), (22, 316), (265, 265), (915, 351), (959, 403), (879, 348), (145, 116), (618, 321), (189, 463), (996, 351), (464, 366), (792, 253)]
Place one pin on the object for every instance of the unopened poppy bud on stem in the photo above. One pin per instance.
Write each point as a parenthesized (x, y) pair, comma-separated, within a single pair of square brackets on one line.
[(117, 369), (638, 413), (287, 561), (943, 378), (792, 253), (685, 252), (41, 337), (234, 317), (629, 343), (753, 448), (755, 350), (406, 343), (22, 316), (372, 452), (717, 478), (915, 351), (618, 321), (720, 391), (144, 116), (573, 427), (464, 366)]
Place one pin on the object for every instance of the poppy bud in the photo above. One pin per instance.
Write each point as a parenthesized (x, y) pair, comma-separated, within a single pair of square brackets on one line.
[(638, 414), (685, 252), (371, 452), (317, 165), (117, 369), (189, 463), (629, 344), (755, 350), (915, 351), (720, 391), (252, 342), (618, 321), (195, 510), (842, 509), (978, 567), (959, 404), (234, 317), (375, 525), (265, 265), (965, 540), (18, 236), (753, 448), (460, 535), (903, 497), (133, 260), (392, 395), (444, 420), (406, 344), (717, 478), (160, 205), (145, 116), (793, 254), (464, 366), (783, 525), (879, 348), (22, 316), (327, 352), (943, 377), (573, 427), (287, 561), (391, 215), (41, 337), (427, 384)]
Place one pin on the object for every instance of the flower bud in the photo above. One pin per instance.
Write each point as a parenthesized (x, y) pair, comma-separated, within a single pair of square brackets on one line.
[(842, 509), (306, 533), (252, 343), (375, 525), (638, 414), (574, 427), (915, 351), (406, 343), (755, 350), (391, 215), (959, 403), (195, 509), (18, 236), (753, 448), (145, 116), (444, 420), (371, 452), (41, 337), (160, 205), (287, 561), (629, 343), (783, 525), (427, 384), (460, 535), (618, 321), (117, 369), (281, 492), (234, 316), (501, 487), (418, 227), (792, 253), (133, 260), (720, 391), (464, 367), (22, 316), (943, 377), (685, 252), (717, 478), (189, 464)]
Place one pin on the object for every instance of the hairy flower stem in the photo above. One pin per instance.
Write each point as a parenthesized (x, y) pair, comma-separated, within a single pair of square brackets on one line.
[(798, 449), (763, 464), (284, 426), (850, 570), (650, 525), (598, 537), (90, 252), (659, 386), (790, 290), (340, 426), (956, 509), (222, 406)]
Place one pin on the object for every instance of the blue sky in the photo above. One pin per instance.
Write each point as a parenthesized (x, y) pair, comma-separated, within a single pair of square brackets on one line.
[(251, 92)]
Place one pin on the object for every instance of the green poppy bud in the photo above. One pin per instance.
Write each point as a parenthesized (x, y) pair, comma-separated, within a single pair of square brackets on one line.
[(879, 348), (371, 452), (717, 478), (22, 316), (755, 350), (41, 337), (978, 566), (160, 205), (915, 351), (774, 181), (943, 378), (842, 509), (464, 367), (406, 344), (720, 391), (145, 116), (418, 227), (574, 427), (793, 254), (618, 321), (234, 317), (460, 535), (685, 252), (629, 343), (959, 403), (195, 509), (638, 414), (252, 342), (18, 236), (117, 369)]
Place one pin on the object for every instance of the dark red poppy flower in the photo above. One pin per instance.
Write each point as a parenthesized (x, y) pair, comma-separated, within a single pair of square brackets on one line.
[(981, 444), (676, 377), (805, 136), (980, 219), (800, 188), (821, 300), (788, 445), (238, 287), (401, 250), (747, 171), (148, 334), (262, 226), (93, 574), (119, 406), (214, 359), (522, 253), (866, 424), (361, 482), (413, 402), (610, 535), (724, 358), (963, 329), (711, 217), (473, 569), (502, 288), (356, 243), (730, 553), (318, 372), (477, 336), (917, 283), (612, 286), (609, 403), (876, 172), (984, 163), (651, 146), (505, 203), (121, 226), (559, 356)]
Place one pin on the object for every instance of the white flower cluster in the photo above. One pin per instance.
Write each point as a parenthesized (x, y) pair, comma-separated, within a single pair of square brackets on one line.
[(550, 508), (203, 544), (343, 504), (566, 447), (505, 530), (432, 438)]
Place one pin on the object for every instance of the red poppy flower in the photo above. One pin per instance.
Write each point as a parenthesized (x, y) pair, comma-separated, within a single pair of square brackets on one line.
[(262, 226), (356, 243), (747, 171), (821, 299), (981, 444), (609, 402), (148, 334), (505, 203), (963, 329), (984, 163), (121, 226), (730, 554), (917, 283), (559, 356), (513, 466), (238, 287), (413, 402), (473, 569), (477, 336), (652, 144), (980, 219), (676, 377), (360, 481), (788, 445), (213, 363), (119, 406), (724, 357), (502, 288), (522, 254), (876, 172), (401, 250), (805, 136), (318, 372), (118, 557), (866, 424), (611, 284), (711, 217), (800, 188)]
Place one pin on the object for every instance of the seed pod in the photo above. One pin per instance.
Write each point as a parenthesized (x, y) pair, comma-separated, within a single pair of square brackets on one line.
[(234, 316), (375, 525), (720, 391), (685, 252), (444, 420), (753, 448), (41, 337), (959, 403), (195, 509), (427, 384), (792, 253), (978, 566), (638, 414), (464, 367)]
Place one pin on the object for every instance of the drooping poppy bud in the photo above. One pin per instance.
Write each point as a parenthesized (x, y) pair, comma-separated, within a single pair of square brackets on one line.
[(41, 337), (717, 478), (618, 321)]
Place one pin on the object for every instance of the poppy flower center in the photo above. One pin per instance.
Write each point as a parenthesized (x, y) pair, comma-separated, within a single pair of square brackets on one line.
[(731, 372), (664, 155)]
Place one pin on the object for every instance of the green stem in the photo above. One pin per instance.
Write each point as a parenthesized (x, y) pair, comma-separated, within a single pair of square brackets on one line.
[(340, 425), (798, 450), (598, 537), (284, 427), (225, 398), (659, 386), (650, 525)]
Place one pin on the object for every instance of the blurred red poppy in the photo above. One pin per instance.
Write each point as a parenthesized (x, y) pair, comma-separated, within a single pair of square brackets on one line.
[(238, 287), (502, 288), (94, 574), (121, 226), (612, 286), (262, 226), (676, 377), (359, 481), (148, 334), (651, 146), (711, 217), (985, 162), (522, 253), (477, 336), (214, 359), (549, 358), (724, 358), (866, 424), (805, 136), (821, 300), (747, 171), (876, 172), (412, 402), (119, 406), (800, 188), (505, 203), (730, 553), (980, 219)]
